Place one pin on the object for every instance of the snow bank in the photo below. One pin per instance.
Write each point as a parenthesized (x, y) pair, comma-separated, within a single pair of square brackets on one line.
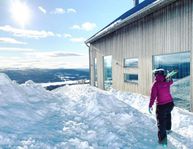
[(82, 117), (104, 121)]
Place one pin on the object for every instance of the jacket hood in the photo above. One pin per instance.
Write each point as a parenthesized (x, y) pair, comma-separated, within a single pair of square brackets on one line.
[(160, 78)]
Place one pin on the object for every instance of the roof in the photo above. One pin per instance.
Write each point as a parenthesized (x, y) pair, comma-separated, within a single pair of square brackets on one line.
[(137, 12)]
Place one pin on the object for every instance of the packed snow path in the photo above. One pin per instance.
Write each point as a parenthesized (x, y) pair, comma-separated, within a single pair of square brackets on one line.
[(82, 117)]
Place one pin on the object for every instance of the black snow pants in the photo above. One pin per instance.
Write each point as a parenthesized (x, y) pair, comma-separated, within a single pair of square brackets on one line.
[(163, 115)]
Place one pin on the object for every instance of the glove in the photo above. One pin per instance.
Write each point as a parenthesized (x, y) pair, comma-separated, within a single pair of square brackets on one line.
[(150, 110), (168, 79)]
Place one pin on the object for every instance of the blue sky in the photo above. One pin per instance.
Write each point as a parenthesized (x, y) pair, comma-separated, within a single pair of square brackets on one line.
[(51, 34)]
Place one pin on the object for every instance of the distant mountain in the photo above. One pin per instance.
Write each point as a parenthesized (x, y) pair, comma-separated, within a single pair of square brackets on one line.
[(46, 75)]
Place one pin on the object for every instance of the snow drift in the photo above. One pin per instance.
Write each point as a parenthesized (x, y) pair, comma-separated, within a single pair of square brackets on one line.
[(82, 117)]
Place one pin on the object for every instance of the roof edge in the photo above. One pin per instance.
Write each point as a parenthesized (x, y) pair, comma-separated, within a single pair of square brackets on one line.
[(116, 24)]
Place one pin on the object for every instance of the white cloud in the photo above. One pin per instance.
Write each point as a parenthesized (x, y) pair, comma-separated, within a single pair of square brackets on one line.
[(76, 27), (42, 9), (58, 11), (46, 60), (67, 35), (10, 40), (59, 35), (87, 26), (53, 64), (13, 49), (62, 54), (80, 39), (52, 54), (36, 53), (62, 11), (74, 39), (71, 10), (27, 33)]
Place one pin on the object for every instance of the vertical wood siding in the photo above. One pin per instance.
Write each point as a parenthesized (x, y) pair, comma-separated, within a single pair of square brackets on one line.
[(168, 30)]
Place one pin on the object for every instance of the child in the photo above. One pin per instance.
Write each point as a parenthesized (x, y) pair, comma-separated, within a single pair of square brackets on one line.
[(164, 104)]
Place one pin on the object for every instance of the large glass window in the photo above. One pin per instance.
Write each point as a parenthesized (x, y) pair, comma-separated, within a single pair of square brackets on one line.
[(131, 62), (131, 78), (107, 72), (95, 72), (181, 87)]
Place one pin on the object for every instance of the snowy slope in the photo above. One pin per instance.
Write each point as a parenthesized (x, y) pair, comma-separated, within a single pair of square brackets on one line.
[(82, 117)]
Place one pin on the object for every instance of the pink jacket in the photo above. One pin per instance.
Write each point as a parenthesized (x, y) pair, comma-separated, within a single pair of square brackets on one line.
[(160, 91)]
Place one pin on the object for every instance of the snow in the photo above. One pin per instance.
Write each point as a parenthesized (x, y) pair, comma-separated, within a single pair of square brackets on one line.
[(82, 117), (68, 82)]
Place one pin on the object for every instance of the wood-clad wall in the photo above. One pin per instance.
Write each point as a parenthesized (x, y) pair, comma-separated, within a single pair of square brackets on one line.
[(168, 30)]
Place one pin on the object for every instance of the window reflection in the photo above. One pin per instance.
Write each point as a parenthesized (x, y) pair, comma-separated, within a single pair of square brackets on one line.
[(107, 72), (181, 88), (131, 78), (131, 62)]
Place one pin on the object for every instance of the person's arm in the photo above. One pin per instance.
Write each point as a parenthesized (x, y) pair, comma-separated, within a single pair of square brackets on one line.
[(153, 95)]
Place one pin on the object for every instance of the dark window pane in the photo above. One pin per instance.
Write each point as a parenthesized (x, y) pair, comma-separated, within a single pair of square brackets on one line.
[(133, 78)]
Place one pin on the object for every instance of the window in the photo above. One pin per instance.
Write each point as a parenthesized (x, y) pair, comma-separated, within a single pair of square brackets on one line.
[(131, 78), (181, 87), (131, 62), (107, 72)]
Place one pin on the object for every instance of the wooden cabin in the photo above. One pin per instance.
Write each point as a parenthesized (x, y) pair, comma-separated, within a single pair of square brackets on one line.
[(154, 33)]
